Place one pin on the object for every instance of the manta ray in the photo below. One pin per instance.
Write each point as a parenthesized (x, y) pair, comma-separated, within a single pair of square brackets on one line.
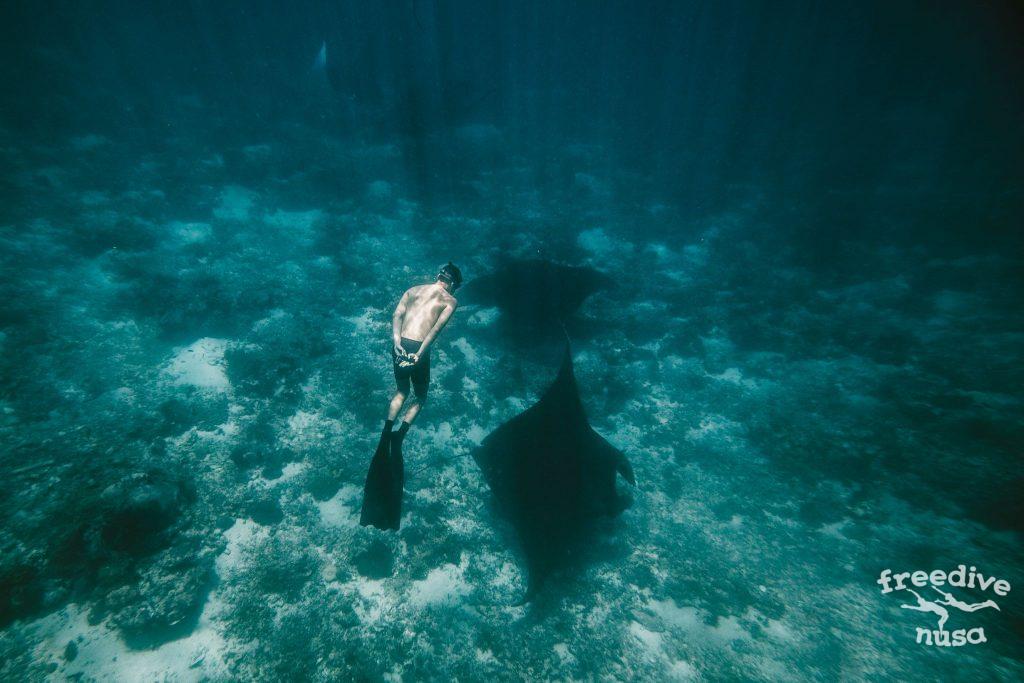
[(537, 295), (553, 475)]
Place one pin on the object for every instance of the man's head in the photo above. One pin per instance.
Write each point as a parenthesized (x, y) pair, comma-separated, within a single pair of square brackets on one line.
[(451, 276)]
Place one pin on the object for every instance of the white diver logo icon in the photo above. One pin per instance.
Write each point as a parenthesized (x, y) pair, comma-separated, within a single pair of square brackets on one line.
[(958, 578)]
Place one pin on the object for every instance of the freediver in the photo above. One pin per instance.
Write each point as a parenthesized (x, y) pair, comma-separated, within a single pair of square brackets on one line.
[(928, 606), (421, 314), (950, 600)]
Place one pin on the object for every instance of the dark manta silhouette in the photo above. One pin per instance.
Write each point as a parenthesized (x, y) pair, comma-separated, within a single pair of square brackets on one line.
[(537, 294), (552, 474)]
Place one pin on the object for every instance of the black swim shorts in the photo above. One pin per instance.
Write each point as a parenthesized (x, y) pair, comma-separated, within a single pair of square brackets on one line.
[(420, 373)]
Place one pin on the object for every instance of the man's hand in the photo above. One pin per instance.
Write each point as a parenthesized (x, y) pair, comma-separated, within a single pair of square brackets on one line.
[(414, 357), (398, 350)]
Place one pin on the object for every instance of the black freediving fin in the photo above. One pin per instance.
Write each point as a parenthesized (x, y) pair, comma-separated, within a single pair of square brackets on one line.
[(382, 500), (397, 465)]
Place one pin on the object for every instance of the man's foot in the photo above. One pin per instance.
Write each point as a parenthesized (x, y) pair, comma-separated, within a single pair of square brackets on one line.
[(398, 435)]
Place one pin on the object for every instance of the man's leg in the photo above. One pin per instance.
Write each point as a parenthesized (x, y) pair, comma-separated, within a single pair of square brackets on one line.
[(411, 412), (397, 401), (415, 407), (402, 383), (420, 380)]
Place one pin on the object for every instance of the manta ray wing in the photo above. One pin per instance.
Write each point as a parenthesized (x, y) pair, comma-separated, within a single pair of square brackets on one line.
[(537, 295)]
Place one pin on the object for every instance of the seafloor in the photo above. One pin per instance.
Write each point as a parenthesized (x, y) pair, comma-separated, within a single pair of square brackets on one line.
[(194, 367)]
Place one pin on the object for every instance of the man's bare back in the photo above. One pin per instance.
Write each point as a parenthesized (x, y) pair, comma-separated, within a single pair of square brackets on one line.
[(424, 304)]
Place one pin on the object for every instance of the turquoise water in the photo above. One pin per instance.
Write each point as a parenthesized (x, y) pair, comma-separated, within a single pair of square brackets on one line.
[(808, 347)]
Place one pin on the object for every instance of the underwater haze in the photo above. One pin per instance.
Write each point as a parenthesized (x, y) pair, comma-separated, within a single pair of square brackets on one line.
[(806, 336)]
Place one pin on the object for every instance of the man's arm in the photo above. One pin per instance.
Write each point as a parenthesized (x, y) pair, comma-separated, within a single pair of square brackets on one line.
[(396, 321), (438, 326)]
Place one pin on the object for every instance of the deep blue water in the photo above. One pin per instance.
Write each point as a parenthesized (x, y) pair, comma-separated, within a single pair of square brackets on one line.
[(807, 342)]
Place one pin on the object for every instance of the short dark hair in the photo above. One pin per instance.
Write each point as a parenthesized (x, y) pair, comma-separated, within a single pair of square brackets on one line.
[(451, 274)]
